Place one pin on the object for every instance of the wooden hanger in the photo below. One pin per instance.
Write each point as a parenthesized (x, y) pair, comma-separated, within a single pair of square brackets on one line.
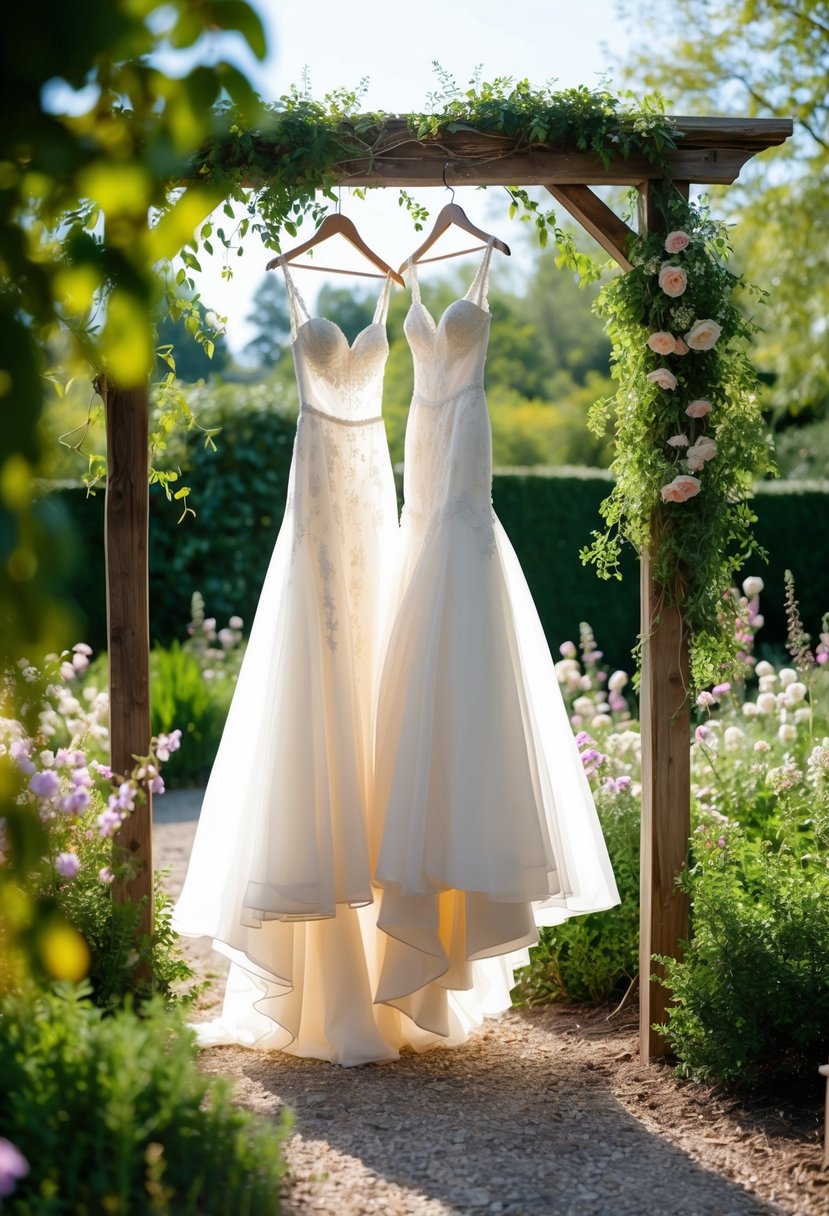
[(447, 216), (333, 225)]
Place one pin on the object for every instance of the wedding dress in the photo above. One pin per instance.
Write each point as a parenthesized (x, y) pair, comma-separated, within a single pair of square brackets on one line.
[(483, 823), (279, 875)]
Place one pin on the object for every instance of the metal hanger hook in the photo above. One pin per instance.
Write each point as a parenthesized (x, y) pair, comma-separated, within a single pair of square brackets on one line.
[(451, 189)]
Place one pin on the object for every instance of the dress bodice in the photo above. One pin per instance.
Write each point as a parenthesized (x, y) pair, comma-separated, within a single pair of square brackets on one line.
[(339, 380), (448, 457)]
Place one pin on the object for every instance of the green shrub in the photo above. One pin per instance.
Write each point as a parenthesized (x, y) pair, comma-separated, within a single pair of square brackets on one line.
[(182, 698), (113, 1115), (751, 995), (593, 958)]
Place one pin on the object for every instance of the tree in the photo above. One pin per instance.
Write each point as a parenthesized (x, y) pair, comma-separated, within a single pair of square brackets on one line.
[(191, 360), (766, 58), (271, 319)]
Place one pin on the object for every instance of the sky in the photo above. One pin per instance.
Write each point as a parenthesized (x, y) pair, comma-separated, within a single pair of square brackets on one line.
[(337, 43)]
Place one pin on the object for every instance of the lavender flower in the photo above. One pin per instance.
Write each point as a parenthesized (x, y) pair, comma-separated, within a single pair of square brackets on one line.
[(45, 784), (13, 1167), (67, 864)]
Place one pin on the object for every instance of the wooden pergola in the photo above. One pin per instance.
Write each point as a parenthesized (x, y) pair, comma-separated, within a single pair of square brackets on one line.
[(710, 151)]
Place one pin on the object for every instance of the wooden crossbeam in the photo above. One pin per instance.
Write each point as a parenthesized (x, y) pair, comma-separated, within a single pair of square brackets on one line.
[(594, 215)]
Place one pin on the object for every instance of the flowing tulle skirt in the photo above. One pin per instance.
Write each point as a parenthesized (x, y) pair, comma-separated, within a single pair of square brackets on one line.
[(483, 821)]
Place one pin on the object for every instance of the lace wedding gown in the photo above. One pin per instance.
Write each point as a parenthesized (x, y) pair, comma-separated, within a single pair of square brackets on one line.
[(483, 823), (279, 874)]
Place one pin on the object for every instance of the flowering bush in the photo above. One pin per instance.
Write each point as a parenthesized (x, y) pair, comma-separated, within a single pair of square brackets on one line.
[(591, 958), (57, 850), (690, 438)]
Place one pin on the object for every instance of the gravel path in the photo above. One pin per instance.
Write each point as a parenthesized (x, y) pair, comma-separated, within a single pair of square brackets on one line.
[(542, 1113)]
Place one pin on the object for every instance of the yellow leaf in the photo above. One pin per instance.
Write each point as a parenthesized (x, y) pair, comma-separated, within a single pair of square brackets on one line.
[(119, 188), (127, 340), (177, 226), (64, 952), (75, 287)]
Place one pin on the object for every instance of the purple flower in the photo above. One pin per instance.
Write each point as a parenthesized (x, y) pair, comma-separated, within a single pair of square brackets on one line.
[(582, 739), (125, 798), (719, 690), (19, 752), (109, 821), (167, 744), (721, 842), (67, 864), (82, 648), (157, 785), (13, 1167), (81, 777), (106, 875), (104, 770), (701, 733), (45, 784), (75, 803), (63, 758), (705, 700)]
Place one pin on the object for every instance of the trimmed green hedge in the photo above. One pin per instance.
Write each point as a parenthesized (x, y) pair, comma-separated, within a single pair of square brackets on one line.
[(239, 496)]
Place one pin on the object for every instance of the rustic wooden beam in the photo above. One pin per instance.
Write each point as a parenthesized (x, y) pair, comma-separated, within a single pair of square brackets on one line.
[(709, 152), (126, 544), (594, 215), (665, 726)]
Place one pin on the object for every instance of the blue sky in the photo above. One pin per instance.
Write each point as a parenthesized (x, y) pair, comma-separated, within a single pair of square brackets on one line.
[(394, 46)]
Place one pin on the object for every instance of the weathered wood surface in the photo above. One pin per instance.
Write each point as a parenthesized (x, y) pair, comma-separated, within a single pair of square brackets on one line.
[(709, 151), (126, 515), (594, 215)]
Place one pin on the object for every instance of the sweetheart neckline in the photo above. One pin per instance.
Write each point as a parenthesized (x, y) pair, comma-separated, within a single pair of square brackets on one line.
[(437, 324), (350, 346)]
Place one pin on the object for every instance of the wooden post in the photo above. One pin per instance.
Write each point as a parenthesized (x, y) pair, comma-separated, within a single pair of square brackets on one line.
[(126, 542), (665, 723)]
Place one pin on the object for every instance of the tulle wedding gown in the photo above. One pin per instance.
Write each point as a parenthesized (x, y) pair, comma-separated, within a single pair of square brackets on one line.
[(483, 823), (280, 874)]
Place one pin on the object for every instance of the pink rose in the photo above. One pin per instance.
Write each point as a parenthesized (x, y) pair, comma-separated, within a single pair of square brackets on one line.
[(680, 348), (663, 378), (680, 489), (662, 343), (673, 280), (698, 409), (704, 449), (675, 242), (703, 334), (679, 441)]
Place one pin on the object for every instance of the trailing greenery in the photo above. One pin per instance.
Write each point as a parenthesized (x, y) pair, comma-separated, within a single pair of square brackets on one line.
[(689, 435), (112, 1114)]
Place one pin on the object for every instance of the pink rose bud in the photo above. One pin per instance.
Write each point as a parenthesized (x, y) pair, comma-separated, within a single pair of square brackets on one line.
[(703, 334), (675, 242), (673, 280), (680, 489), (662, 343), (698, 409), (663, 378), (704, 449), (680, 347), (679, 441)]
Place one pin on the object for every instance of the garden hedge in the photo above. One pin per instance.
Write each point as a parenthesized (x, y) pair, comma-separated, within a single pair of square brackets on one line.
[(239, 495)]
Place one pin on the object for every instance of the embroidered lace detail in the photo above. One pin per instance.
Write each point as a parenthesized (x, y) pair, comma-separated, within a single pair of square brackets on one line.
[(471, 510), (326, 572)]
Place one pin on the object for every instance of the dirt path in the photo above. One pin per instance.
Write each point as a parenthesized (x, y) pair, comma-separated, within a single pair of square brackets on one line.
[(541, 1113)]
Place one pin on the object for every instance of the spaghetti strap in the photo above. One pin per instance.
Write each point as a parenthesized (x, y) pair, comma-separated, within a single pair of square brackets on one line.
[(411, 271), (381, 311), (478, 286), (296, 303)]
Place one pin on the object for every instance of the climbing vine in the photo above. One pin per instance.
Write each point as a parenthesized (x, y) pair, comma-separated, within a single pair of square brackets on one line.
[(689, 433)]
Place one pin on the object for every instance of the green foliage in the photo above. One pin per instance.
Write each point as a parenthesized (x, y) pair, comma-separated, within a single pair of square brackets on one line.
[(699, 542), (113, 1115), (763, 58), (593, 958), (180, 696), (751, 995)]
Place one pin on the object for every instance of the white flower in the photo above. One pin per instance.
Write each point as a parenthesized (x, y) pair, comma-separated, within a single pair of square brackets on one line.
[(787, 733), (767, 683), (795, 693), (752, 586), (617, 681), (732, 737), (600, 720), (761, 745), (764, 668), (803, 714), (750, 709), (787, 675), (583, 705), (766, 703), (585, 683)]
